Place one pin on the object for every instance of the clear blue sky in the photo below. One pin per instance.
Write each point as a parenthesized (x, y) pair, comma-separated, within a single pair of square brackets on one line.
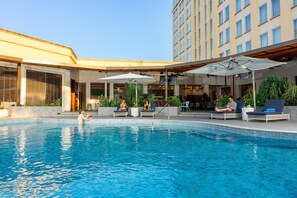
[(108, 29)]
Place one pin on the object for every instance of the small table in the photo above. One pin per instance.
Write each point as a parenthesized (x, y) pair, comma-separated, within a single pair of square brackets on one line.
[(135, 111), (245, 110)]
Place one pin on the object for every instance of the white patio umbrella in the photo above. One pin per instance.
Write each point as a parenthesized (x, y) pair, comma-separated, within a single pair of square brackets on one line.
[(130, 78), (237, 65)]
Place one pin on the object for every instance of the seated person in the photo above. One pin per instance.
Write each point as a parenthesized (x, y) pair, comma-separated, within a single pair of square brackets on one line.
[(146, 105), (230, 107), (123, 106)]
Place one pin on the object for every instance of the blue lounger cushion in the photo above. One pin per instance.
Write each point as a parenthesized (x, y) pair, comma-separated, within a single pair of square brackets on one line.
[(271, 107), (263, 113)]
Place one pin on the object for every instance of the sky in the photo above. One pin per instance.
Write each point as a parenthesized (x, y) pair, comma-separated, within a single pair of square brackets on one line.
[(105, 29)]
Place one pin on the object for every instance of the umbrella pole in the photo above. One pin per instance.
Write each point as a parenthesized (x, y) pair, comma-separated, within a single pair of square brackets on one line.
[(136, 94), (254, 89)]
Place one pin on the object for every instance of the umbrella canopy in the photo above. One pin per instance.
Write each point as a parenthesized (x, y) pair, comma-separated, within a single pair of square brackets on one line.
[(237, 65), (130, 78)]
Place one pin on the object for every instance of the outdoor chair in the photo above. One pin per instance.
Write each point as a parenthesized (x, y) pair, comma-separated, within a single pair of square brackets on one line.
[(119, 112), (185, 105), (272, 110), (229, 115), (150, 112)]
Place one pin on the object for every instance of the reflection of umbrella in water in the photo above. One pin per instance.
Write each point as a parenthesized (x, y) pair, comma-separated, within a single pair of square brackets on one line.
[(130, 78), (237, 65)]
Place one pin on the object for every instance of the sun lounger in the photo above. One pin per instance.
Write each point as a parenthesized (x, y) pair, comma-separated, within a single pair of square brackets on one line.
[(120, 112), (229, 115), (150, 112), (273, 110)]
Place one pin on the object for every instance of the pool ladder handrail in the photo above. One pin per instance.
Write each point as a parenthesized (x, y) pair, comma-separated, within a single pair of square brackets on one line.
[(167, 104)]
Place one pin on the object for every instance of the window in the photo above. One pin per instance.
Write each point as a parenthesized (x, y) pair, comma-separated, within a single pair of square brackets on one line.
[(221, 38), (238, 28), (264, 40), (181, 6), (228, 53), (221, 54), (8, 84), (175, 14), (295, 28), (98, 89), (276, 33), (220, 1), (188, 12), (175, 52), (275, 7), (182, 47), (248, 23), (238, 5), (263, 13), (189, 57), (181, 20), (239, 48), (175, 39), (181, 33), (189, 42), (188, 27), (248, 46), (41, 87), (175, 26), (294, 2), (227, 35), (227, 13), (221, 20), (246, 2)]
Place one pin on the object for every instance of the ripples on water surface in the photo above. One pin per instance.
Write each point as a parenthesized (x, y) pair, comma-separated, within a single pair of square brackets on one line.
[(95, 161)]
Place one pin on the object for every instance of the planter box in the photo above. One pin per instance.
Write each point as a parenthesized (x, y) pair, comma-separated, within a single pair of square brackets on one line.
[(134, 111), (34, 111), (106, 111), (292, 110), (174, 111), (3, 112)]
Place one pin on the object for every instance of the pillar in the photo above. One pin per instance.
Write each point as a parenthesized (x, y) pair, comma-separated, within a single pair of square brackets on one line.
[(111, 90)]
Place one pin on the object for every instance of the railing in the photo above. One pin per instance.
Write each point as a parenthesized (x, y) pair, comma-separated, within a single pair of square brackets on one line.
[(167, 104)]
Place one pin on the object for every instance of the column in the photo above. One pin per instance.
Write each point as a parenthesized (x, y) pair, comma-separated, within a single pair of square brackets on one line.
[(105, 86), (22, 80), (88, 93), (176, 90), (111, 94), (66, 91), (166, 85), (145, 89)]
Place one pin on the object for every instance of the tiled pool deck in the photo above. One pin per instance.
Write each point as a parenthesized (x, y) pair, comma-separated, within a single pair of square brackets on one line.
[(274, 126)]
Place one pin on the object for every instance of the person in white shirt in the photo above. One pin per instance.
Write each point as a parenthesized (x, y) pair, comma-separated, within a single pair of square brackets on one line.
[(230, 107)]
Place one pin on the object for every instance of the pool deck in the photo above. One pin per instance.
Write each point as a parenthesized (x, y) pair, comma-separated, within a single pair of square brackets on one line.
[(277, 126)]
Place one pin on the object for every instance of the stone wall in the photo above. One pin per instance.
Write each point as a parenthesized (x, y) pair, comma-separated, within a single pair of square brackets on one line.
[(292, 110), (34, 111)]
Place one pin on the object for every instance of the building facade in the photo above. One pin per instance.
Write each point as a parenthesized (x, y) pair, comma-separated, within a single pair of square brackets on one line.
[(218, 28)]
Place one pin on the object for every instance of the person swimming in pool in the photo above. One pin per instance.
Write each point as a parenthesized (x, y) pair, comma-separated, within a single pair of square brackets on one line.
[(81, 118)]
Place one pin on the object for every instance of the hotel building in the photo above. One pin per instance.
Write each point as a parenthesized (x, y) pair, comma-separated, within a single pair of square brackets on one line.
[(217, 28)]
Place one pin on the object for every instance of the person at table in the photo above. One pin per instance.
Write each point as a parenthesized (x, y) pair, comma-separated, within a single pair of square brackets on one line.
[(146, 105), (123, 106), (230, 107)]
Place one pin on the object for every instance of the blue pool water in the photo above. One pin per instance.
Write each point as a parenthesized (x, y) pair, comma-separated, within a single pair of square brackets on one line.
[(103, 161)]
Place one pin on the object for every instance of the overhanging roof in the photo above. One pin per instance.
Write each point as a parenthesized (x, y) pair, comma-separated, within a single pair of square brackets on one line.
[(282, 52)]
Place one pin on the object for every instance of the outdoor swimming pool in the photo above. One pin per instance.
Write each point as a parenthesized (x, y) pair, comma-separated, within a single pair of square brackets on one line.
[(140, 161)]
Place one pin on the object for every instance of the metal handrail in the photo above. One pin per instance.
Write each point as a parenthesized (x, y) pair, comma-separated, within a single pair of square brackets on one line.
[(167, 104)]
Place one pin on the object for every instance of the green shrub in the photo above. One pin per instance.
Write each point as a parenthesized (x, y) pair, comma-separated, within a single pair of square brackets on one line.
[(274, 87), (291, 95), (174, 101), (222, 101)]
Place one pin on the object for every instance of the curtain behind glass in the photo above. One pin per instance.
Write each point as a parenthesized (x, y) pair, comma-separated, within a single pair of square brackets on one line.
[(43, 87), (8, 84)]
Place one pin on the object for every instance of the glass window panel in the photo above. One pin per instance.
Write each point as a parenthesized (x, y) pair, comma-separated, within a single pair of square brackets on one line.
[(238, 5), (227, 13), (263, 13), (264, 40), (275, 7), (238, 28), (248, 23), (295, 28), (276, 35)]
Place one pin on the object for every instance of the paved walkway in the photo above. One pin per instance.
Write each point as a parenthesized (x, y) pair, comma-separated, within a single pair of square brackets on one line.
[(278, 126)]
